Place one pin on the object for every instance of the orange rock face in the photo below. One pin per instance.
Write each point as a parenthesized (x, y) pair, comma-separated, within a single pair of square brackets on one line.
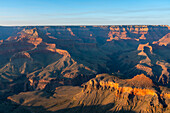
[(1, 41), (137, 81), (143, 92), (142, 37), (141, 47), (163, 41), (141, 81), (35, 41), (167, 95), (51, 47), (71, 32), (120, 32), (12, 38), (109, 84), (145, 68)]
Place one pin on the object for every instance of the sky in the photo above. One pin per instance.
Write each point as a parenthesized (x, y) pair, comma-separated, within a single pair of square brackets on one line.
[(84, 12)]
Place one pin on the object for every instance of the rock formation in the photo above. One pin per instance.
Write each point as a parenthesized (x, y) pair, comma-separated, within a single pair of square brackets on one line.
[(46, 62)]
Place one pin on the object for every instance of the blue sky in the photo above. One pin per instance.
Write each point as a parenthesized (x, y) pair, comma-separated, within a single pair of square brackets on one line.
[(84, 12)]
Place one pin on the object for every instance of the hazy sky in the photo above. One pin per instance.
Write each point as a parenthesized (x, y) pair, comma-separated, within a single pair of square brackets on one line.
[(84, 12)]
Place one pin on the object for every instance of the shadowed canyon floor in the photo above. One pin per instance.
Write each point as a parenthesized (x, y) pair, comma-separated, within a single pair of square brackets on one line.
[(59, 69)]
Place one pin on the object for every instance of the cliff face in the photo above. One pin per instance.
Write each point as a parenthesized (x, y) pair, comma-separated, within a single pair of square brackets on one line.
[(123, 32), (38, 58), (128, 94), (28, 56), (104, 93), (139, 85), (164, 40), (99, 48)]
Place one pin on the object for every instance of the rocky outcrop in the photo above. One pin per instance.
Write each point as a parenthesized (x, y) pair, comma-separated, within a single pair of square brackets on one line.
[(52, 56), (105, 92), (140, 81), (128, 32), (39, 61), (139, 85), (71, 32), (165, 66), (147, 64), (129, 94), (163, 41)]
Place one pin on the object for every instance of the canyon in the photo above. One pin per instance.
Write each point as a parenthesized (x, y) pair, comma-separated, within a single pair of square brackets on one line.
[(55, 69)]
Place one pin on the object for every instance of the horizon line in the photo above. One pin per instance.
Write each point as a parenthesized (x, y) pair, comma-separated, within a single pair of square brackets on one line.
[(87, 25)]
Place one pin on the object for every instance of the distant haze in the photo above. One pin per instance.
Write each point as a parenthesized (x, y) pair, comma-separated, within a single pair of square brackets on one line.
[(84, 12)]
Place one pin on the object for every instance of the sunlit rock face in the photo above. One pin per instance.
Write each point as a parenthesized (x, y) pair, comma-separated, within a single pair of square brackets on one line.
[(28, 56), (164, 41), (46, 62), (139, 85), (133, 32), (106, 93), (43, 53), (128, 94), (99, 48)]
